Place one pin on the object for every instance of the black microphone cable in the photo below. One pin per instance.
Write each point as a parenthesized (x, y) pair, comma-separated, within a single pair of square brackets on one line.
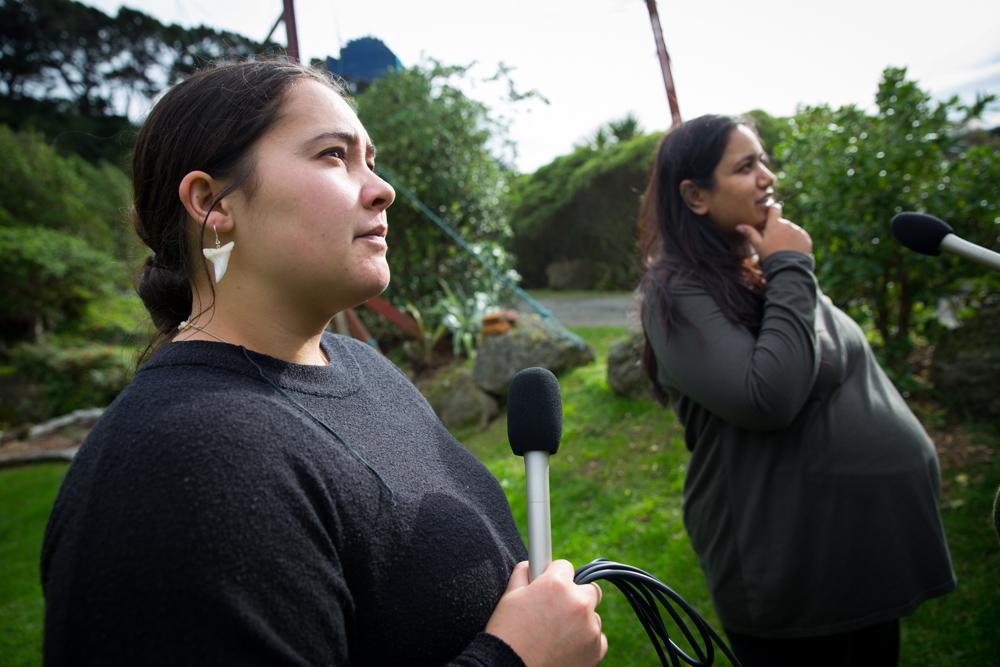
[(645, 592)]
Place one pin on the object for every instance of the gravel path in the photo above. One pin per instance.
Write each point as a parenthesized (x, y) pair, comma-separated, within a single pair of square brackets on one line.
[(601, 310)]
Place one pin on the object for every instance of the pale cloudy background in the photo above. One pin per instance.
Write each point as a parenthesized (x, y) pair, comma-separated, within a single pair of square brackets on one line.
[(595, 60)]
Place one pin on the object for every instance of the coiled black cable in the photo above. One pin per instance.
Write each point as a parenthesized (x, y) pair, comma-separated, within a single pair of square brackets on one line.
[(644, 591)]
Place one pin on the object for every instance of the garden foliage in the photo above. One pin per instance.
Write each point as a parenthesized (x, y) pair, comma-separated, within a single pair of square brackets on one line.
[(56, 378), (48, 278), (439, 144), (64, 240), (65, 250), (845, 172), (39, 187)]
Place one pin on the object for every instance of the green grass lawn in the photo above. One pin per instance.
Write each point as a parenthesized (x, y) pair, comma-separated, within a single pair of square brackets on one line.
[(616, 492), (26, 496)]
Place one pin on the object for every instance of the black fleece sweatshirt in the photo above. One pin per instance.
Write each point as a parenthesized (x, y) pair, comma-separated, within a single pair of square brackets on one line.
[(230, 508)]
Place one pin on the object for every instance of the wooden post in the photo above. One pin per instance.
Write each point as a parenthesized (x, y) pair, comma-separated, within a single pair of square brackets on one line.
[(290, 32), (661, 51)]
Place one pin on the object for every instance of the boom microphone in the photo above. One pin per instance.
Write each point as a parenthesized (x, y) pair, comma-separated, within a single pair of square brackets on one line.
[(534, 428), (929, 235)]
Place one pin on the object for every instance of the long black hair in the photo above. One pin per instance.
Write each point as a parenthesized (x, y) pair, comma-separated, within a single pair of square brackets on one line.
[(677, 242)]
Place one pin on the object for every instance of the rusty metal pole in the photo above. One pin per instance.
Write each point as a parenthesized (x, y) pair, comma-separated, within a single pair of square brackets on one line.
[(661, 51), (293, 37)]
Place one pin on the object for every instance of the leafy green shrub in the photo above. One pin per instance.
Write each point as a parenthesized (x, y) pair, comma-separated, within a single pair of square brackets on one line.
[(58, 379), (119, 318), (436, 143), (47, 278), (40, 188), (456, 314), (419, 352)]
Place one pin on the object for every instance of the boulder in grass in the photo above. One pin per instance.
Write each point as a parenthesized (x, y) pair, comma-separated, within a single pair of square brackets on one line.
[(626, 375), (460, 403), (532, 342)]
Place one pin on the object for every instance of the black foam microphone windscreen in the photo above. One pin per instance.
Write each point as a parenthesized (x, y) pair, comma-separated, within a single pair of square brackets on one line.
[(534, 412), (920, 232)]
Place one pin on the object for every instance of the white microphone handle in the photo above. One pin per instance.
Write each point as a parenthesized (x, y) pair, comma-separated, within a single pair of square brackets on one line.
[(536, 474), (959, 246)]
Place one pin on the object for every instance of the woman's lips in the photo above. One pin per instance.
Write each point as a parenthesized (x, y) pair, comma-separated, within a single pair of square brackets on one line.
[(377, 239), (378, 231), (376, 236), (765, 203)]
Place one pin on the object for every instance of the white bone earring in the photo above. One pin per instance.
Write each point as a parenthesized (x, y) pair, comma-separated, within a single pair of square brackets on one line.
[(219, 255)]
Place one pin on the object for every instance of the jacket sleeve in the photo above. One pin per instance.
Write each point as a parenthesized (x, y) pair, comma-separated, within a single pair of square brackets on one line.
[(487, 650), (757, 382)]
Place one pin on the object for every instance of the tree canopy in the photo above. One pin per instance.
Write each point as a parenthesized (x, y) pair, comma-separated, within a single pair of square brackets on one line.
[(76, 74), (65, 50)]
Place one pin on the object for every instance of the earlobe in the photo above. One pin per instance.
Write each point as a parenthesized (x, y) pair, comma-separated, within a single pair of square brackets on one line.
[(694, 197)]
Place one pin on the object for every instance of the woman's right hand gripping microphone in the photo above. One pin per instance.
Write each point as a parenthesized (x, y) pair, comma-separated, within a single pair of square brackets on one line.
[(543, 615)]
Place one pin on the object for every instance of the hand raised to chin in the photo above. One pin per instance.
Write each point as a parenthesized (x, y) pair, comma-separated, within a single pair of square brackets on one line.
[(776, 234)]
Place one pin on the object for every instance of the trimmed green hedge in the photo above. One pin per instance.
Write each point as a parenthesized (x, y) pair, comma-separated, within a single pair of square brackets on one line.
[(579, 213)]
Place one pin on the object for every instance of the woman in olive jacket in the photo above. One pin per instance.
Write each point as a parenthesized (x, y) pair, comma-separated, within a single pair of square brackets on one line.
[(811, 494)]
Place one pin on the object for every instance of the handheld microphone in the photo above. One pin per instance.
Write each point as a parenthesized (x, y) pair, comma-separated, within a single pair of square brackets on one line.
[(929, 235), (534, 427)]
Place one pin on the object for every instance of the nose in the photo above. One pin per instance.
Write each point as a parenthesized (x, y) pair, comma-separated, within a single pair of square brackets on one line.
[(765, 176), (377, 194)]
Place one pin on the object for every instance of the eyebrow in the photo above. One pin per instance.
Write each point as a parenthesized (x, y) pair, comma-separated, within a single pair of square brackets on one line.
[(350, 138), (752, 157)]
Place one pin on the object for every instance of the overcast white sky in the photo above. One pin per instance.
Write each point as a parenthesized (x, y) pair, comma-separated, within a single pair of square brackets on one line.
[(595, 60)]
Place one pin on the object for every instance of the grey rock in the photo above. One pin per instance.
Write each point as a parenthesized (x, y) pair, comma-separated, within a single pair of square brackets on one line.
[(625, 373), (533, 342), (85, 417), (459, 402)]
